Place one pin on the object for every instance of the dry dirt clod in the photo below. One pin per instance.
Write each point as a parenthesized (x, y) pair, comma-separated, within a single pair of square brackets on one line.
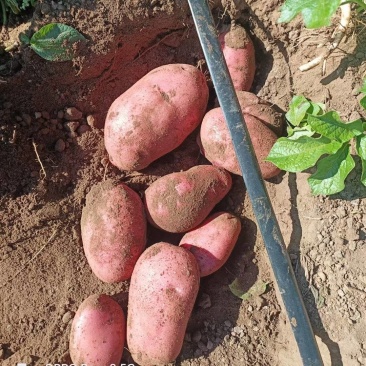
[(72, 113), (60, 145), (72, 126), (204, 301), (82, 129)]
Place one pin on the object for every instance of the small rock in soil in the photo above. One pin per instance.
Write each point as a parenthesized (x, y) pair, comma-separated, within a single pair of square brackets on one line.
[(196, 337), (38, 115), (82, 129), (72, 126), (227, 323), (72, 113), (60, 114), (60, 145), (352, 245), (209, 345), (202, 347), (204, 301), (91, 120), (67, 317)]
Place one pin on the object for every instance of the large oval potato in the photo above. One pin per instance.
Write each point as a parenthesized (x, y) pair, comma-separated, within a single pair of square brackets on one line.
[(98, 332), (178, 202), (155, 115), (113, 230), (216, 144), (239, 55), (213, 241), (163, 289)]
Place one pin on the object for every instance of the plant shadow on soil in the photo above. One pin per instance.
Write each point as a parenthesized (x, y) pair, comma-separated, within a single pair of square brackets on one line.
[(304, 285)]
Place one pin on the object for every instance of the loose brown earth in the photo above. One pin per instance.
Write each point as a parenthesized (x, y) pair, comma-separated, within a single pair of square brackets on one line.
[(43, 272)]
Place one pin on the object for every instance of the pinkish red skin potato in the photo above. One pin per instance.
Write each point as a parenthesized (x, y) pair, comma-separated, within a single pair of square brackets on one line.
[(216, 144), (113, 230), (239, 54), (155, 115), (98, 332), (178, 202), (213, 241), (163, 289)]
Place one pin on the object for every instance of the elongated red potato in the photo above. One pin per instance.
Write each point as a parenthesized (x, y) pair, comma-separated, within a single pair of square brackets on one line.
[(163, 289), (155, 115), (239, 55), (213, 241), (178, 202), (98, 332), (113, 230), (216, 144)]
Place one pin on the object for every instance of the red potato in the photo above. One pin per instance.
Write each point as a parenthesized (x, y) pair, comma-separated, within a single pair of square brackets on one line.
[(113, 230), (216, 144), (213, 241), (155, 115), (178, 202), (163, 290), (98, 332), (239, 55)]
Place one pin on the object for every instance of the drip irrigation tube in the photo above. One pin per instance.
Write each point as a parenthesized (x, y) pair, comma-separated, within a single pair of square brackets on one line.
[(266, 219)]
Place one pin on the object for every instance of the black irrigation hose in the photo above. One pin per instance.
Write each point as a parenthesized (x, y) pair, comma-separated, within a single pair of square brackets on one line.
[(267, 222)]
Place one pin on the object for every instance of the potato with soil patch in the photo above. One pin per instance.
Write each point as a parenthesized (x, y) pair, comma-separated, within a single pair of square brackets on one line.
[(98, 332), (163, 289), (113, 230), (239, 55), (178, 202), (155, 115), (216, 144), (213, 241)]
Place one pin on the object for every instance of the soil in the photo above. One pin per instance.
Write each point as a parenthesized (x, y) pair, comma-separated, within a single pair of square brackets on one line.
[(52, 155)]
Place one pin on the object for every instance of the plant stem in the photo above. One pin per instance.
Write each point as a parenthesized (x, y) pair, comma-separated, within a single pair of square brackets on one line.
[(3, 9)]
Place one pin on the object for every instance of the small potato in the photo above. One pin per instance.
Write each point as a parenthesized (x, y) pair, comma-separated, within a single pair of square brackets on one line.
[(216, 144), (155, 115), (98, 332), (178, 202), (213, 241), (163, 289), (113, 230), (239, 54)]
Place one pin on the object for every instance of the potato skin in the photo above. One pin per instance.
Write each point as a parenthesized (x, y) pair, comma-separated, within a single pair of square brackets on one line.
[(98, 332), (155, 115), (213, 241), (178, 202), (239, 54), (216, 144), (163, 289), (113, 230)]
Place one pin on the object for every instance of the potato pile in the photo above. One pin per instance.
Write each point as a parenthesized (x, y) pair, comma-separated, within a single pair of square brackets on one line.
[(148, 121)]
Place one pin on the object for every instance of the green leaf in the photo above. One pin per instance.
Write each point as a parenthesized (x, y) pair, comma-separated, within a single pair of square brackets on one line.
[(259, 288), (330, 125), (316, 13), (361, 151), (296, 132), (332, 172), (23, 38), (297, 109), (363, 90), (298, 155), (56, 42), (363, 102)]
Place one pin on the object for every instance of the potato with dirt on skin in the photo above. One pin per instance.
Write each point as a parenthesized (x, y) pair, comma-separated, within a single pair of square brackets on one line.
[(98, 332), (178, 202), (239, 55), (163, 290), (216, 144), (113, 230), (213, 241), (155, 115)]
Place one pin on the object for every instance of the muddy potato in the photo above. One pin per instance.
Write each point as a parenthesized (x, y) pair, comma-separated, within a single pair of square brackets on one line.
[(155, 115), (239, 55), (98, 332), (216, 144), (113, 230), (163, 289), (178, 202), (213, 241)]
